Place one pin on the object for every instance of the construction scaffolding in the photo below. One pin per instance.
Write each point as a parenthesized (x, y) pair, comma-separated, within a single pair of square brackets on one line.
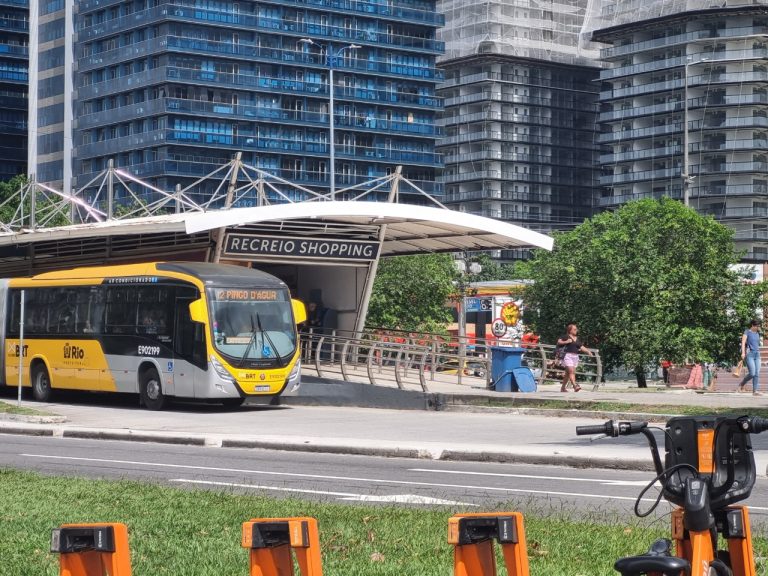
[(538, 29), (608, 13)]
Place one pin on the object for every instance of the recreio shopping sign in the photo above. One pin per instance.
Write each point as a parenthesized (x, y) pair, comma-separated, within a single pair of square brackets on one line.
[(249, 246)]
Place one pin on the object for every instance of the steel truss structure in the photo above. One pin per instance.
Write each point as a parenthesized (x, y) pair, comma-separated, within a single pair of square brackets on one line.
[(115, 194)]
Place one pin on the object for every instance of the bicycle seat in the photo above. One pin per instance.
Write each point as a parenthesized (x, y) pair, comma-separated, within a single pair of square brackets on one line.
[(658, 559)]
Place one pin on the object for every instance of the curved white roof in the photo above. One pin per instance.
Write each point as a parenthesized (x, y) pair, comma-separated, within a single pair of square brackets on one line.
[(410, 229)]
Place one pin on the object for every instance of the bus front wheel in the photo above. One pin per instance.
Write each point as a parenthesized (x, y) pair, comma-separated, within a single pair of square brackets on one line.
[(151, 390), (41, 383)]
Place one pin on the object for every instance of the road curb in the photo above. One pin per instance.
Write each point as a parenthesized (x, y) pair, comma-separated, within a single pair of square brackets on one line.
[(329, 449), (132, 436), (568, 460), (559, 412)]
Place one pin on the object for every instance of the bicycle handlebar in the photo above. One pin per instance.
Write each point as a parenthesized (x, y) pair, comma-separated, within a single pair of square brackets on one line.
[(612, 429)]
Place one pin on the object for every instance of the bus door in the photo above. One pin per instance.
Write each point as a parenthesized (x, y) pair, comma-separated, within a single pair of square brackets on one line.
[(189, 348)]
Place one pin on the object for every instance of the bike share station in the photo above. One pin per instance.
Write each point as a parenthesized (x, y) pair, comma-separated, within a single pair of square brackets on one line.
[(707, 468)]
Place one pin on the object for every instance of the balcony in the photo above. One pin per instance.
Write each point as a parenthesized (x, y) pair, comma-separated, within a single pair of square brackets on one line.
[(728, 168), (729, 123), (732, 190), (653, 131), (181, 106), (616, 51), (728, 212), (498, 155), (507, 137), (496, 116), (715, 146), (619, 199), (645, 154), (637, 111), (390, 10), (14, 24), (505, 176), (165, 74), (12, 51), (639, 176), (373, 36), (255, 142)]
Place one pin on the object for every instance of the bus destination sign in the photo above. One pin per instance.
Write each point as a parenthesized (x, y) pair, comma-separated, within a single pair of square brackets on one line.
[(244, 294), (240, 245)]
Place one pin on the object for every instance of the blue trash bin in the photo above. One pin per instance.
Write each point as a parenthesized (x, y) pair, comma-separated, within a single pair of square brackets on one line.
[(507, 371)]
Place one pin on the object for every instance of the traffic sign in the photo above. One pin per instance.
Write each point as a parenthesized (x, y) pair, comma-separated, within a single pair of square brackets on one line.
[(498, 328)]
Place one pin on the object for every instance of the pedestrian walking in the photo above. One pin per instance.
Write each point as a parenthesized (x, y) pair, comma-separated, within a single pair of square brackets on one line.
[(750, 355), (573, 347)]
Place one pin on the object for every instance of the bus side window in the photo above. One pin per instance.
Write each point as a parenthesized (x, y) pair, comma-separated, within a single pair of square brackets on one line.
[(121, 310)]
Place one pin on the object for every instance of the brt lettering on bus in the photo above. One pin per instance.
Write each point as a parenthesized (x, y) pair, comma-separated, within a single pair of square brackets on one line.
[(13, 350)]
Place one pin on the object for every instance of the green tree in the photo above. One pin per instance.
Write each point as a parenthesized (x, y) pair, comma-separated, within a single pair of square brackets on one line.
[(410, 293), (652, 280)]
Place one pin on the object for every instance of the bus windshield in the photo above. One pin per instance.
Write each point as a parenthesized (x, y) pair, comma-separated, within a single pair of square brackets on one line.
[(253, 324)]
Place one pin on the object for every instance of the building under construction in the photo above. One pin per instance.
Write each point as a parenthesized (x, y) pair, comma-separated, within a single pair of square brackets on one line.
[(520, 112), (684, 107)]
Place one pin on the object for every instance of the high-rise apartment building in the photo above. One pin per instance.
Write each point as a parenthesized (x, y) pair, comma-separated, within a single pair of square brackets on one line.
[(520, 110), (14, 56), (172, 89), (687, 75)]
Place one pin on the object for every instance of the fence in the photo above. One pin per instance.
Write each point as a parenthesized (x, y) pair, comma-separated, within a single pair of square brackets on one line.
[(415, 361)]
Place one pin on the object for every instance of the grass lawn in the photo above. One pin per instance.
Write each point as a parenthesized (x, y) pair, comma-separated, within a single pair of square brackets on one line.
[(12, 408), (197, 533)]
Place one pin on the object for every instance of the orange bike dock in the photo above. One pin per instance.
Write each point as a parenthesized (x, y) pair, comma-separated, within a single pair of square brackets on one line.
[(92, 549), (473, 537)]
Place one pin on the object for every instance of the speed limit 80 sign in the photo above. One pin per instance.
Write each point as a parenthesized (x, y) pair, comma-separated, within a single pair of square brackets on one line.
[(498, 328)]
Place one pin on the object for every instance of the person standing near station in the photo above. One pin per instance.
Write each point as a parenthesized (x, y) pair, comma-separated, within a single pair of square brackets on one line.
[(573, 347), (750, 355)]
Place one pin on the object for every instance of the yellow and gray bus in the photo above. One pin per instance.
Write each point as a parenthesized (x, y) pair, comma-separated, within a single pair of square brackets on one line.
[(163, 330)]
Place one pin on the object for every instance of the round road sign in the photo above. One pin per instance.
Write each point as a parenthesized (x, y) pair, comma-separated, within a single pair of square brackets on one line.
[(499, 328)]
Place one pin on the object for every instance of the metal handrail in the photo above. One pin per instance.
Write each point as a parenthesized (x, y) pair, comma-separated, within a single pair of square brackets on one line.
[(404, 359)]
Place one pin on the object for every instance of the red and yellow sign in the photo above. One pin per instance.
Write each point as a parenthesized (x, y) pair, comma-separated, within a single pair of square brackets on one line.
[(510, 313)]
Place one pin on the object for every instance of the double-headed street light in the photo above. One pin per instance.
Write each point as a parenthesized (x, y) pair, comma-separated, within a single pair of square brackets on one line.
[(330, 61), (685, 175)]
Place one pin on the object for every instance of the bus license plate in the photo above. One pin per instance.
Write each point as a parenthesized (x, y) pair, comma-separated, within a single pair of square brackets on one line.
[(262, 388)]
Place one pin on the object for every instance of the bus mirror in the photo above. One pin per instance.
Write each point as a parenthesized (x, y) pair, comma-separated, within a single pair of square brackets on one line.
[(197, 311), (299, 311)]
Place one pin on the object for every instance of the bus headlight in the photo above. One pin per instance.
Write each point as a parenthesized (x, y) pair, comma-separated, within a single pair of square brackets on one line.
[(223, 373), (295, 371)]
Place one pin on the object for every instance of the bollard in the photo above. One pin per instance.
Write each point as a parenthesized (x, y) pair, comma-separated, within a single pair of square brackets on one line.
[(271, 541), (473, 536), (92, 549)]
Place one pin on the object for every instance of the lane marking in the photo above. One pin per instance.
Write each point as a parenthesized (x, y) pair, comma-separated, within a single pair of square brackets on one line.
[(604, 481), (393, 498), (346, 478)]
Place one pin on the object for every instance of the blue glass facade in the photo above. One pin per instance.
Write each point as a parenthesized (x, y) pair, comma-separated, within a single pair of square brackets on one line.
[(14, 76), (171, 90)]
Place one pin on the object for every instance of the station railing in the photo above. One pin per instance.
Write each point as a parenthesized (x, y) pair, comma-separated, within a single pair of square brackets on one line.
[(420, 361)]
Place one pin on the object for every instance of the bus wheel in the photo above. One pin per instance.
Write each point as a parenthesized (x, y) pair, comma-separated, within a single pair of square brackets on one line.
[(41, 383), (232, 402), (151, 390)]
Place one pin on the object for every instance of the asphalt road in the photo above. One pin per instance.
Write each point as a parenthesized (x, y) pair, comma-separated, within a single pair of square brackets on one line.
[(347, 479)]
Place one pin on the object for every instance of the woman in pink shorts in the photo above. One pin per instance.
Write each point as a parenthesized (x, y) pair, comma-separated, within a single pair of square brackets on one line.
[(573, 346)]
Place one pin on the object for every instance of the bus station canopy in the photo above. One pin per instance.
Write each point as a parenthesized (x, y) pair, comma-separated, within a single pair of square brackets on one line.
[(410, 229)]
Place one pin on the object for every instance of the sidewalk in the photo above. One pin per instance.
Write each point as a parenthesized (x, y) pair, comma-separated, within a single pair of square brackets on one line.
[(492, 435)]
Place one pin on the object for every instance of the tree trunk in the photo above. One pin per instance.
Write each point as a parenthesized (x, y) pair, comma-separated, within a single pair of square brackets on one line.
[(640, 374)]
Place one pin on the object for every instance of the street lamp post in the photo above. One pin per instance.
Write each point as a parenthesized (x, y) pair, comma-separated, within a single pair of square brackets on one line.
[(685, 175), (331, 63), (461, 305)]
